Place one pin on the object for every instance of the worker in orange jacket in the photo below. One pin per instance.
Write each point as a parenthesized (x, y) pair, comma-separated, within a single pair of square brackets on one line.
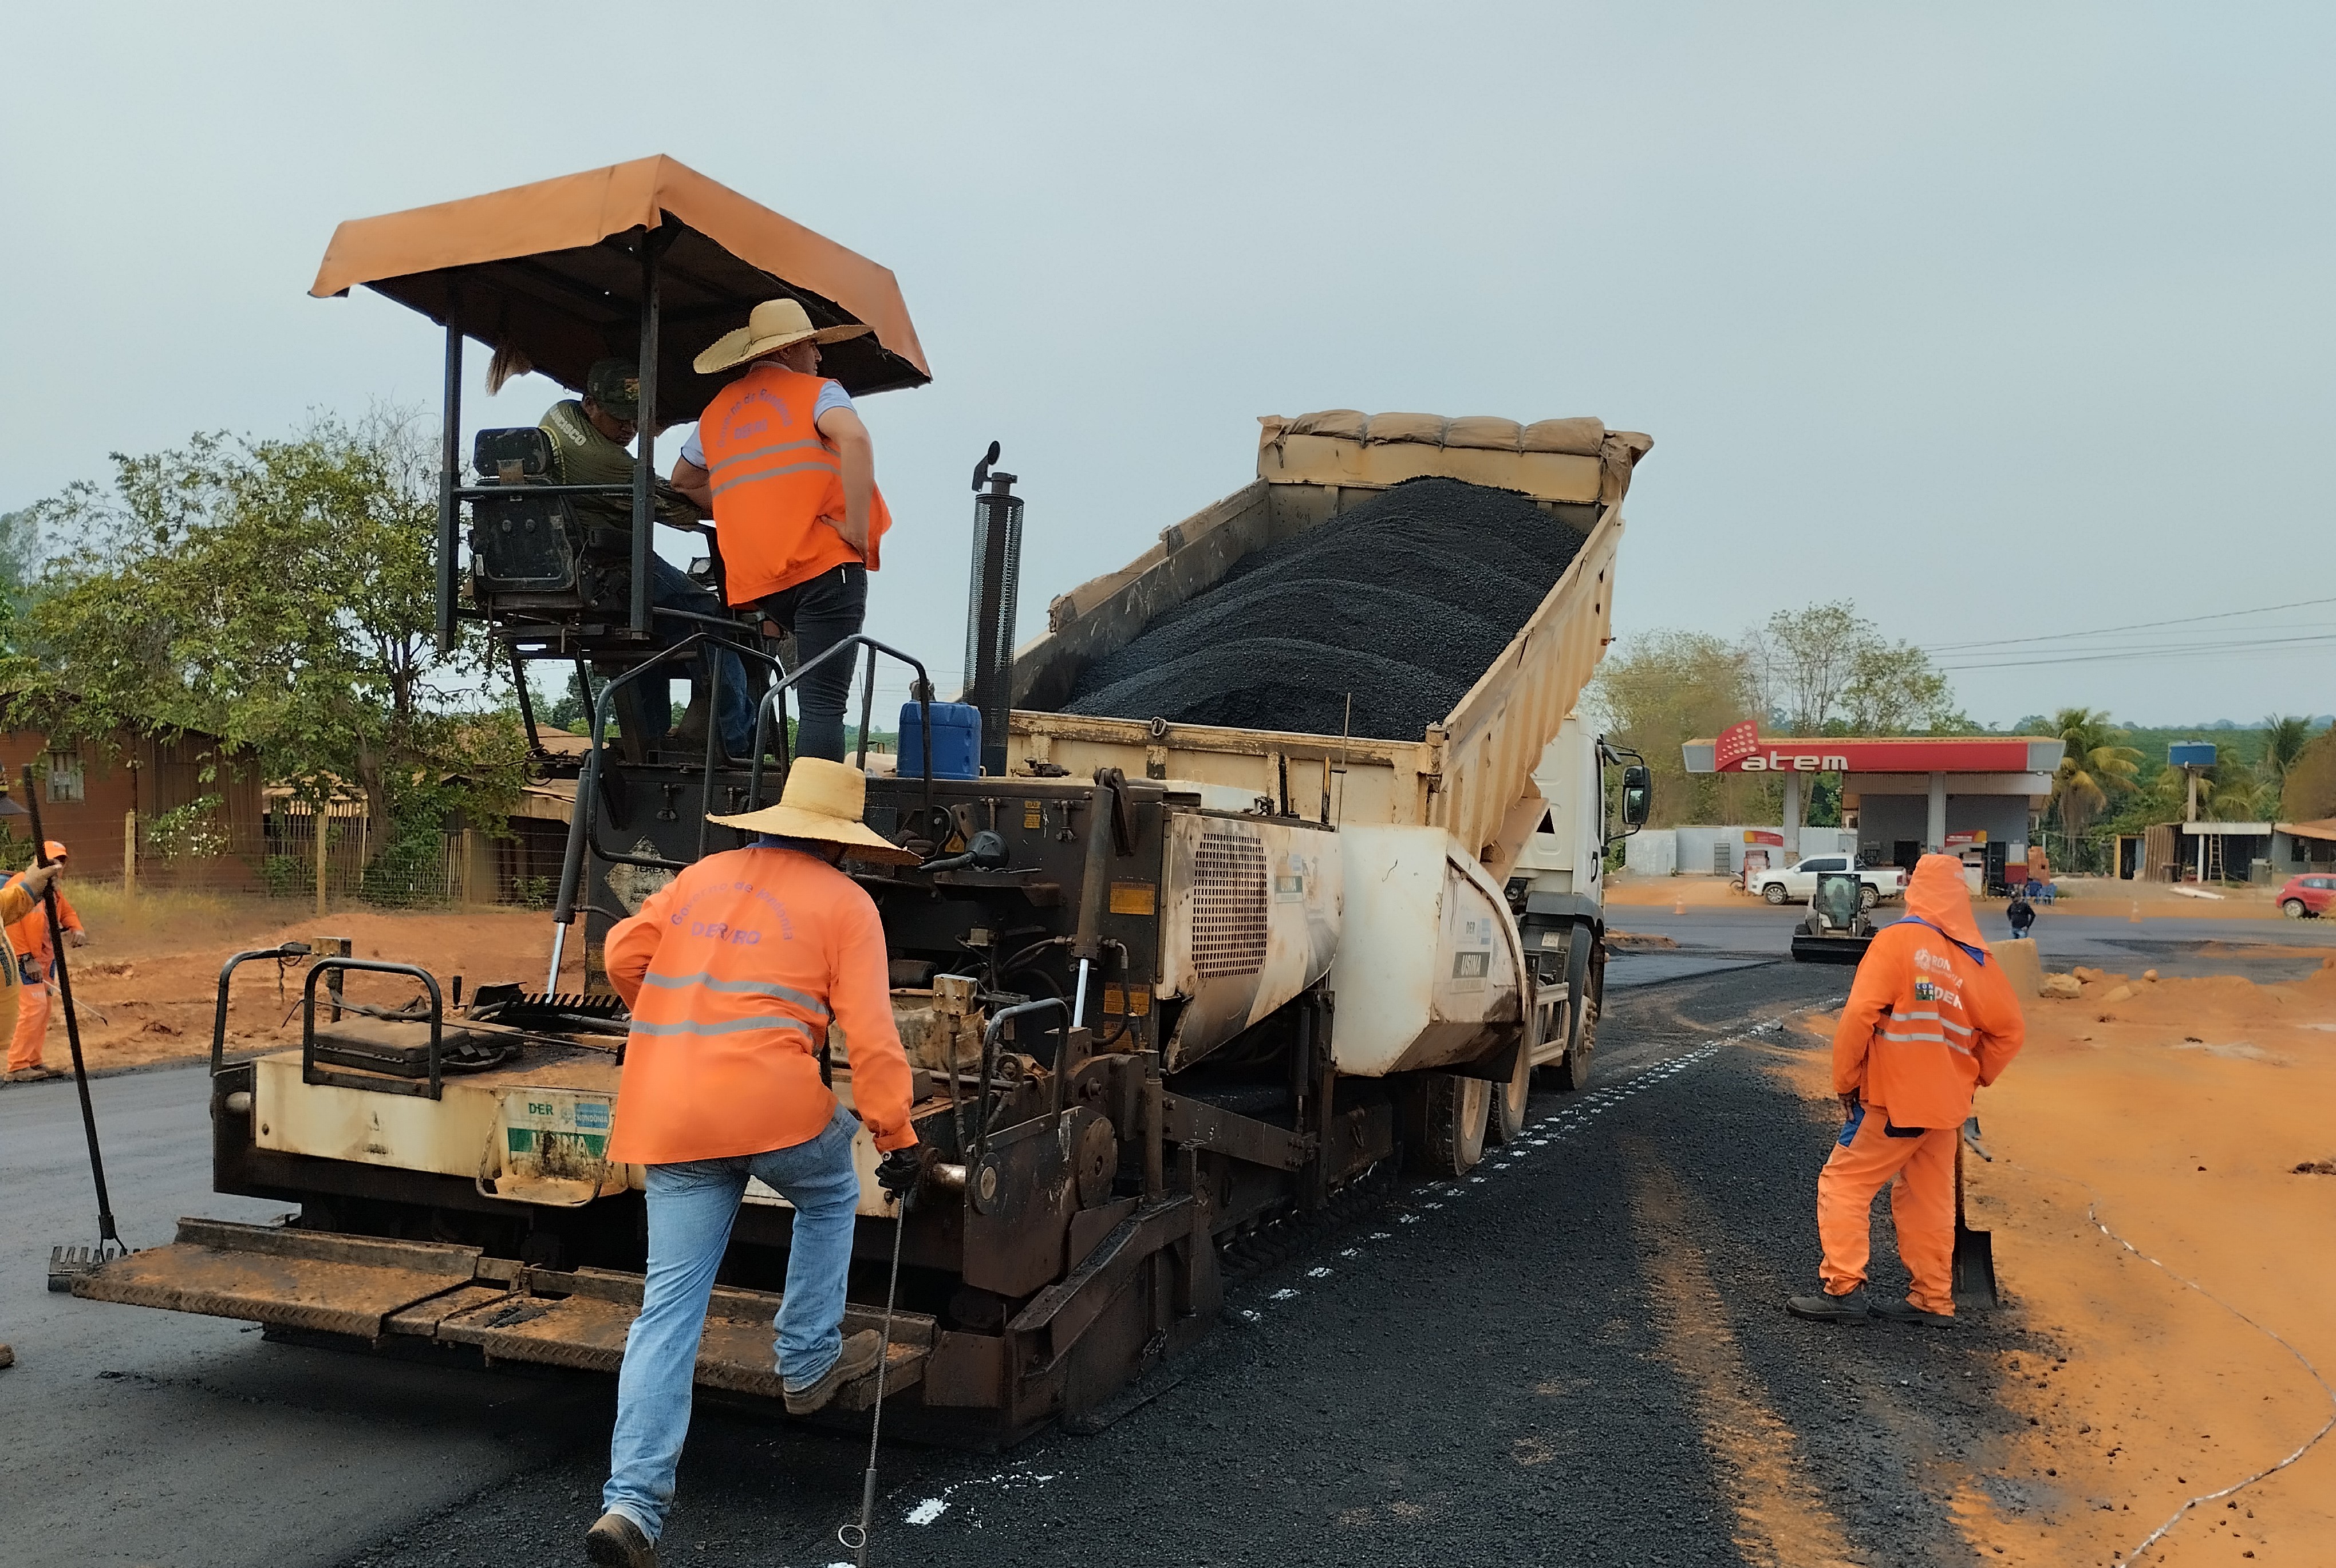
[(20, 898), (735, 971), (28, 942), (1929, 1019)]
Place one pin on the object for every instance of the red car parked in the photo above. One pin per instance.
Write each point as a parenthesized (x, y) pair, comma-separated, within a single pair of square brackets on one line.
[(2303, 896)]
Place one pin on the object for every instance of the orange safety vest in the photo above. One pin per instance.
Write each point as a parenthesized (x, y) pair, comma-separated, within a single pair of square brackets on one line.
[(774, 479), (734, 971)]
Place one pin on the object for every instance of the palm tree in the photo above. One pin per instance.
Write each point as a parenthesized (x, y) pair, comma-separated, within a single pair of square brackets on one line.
[(2284, 741), (2093, 766)]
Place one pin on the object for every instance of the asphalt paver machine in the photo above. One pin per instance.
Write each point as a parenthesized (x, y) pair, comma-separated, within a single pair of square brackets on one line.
[(1116, 988)]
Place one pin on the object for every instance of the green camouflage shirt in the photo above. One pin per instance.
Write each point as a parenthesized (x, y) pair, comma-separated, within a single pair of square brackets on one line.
[(582, 455)]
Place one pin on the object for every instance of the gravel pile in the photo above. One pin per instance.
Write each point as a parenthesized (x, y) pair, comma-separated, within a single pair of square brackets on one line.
[(1401, 602)]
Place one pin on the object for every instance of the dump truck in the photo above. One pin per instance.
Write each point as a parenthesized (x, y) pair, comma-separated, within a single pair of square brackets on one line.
[(1163, 984)]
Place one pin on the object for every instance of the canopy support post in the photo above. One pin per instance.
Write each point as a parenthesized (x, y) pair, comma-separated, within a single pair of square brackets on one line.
[(644, 472), (449, 468)]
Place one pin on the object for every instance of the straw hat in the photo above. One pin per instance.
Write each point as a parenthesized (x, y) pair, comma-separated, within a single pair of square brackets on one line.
[(824, 801), (774, 324)]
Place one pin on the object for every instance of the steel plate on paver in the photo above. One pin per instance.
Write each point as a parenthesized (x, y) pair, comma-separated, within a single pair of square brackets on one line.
[(588, 1330), (285, 1278), (552, 1330)]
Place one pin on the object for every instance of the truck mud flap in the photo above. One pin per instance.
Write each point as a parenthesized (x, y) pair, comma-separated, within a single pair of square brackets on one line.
[(373, 1288)]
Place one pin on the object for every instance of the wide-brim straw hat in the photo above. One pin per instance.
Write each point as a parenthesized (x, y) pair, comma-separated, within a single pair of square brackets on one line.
[(772, 325), (824, 801)]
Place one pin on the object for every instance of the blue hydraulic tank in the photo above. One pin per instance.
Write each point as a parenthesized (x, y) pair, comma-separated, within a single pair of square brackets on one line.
[(956, 740)]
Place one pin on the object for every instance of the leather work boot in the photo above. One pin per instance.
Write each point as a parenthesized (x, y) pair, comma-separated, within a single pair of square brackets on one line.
[(861, 1351), (616, 1541), (1846, 1308), (1907, 1312)]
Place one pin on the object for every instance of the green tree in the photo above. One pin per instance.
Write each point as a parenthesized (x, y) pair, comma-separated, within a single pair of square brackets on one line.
[(1827, 669), (2094, 766), (2307, 787), (280, 595), (2284, 742), (1660, 689)]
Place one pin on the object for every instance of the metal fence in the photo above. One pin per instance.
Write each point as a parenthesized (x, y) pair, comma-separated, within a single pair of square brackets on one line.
[(289, 858)]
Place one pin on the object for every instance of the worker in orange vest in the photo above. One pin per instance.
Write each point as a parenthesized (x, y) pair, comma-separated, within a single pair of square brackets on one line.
[(734, 972), (19, 899), (28, 940), (782, 460), (1929, 1020)]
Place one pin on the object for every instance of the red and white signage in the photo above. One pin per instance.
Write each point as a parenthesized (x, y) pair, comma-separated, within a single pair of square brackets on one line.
[(1763, 836), (1740, 749), (1973, 838)]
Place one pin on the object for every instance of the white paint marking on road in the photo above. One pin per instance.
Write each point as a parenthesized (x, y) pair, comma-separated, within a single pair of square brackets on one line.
[(1318, 1273), (1284, 1294)]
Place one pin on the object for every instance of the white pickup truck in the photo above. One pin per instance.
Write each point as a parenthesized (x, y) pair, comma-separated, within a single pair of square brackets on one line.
[(1797, 883)]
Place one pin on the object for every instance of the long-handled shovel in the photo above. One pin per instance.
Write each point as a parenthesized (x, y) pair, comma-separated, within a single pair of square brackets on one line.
[(69, 1263), (1974, 1264)]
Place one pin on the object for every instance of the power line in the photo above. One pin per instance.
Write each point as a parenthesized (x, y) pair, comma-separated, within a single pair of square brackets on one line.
[(2229, 650), (2137, 626)]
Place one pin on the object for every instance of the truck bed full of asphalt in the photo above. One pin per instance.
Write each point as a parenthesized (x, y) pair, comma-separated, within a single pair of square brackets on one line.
[(1400, 603)]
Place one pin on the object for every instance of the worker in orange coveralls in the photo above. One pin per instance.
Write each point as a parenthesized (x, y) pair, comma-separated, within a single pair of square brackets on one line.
[(28, 943), (1930, 1019), (19, 898)]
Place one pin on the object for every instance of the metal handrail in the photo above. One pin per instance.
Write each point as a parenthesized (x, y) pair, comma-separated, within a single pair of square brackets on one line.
[(309, 1073), (227, 972)]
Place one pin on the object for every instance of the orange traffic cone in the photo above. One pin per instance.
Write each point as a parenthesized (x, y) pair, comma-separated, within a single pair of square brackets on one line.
[(2134, 918), (1678, 903)]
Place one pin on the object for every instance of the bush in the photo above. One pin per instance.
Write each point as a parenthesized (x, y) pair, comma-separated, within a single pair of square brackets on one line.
[(287, 875)]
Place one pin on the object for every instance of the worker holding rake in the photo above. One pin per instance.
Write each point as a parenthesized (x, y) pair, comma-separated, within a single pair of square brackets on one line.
[(34, 960), (1929, 1020)]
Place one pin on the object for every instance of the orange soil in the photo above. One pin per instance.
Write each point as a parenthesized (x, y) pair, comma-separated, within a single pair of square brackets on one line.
[(2182, 1114), (146, 995)]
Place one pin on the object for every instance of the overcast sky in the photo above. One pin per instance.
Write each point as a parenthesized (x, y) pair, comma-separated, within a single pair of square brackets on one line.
[(2002, 322)]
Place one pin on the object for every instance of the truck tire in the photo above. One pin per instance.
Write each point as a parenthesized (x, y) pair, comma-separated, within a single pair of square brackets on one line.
[(1585, 973), (1508, 1109), (1868, 895), (1773, 891), (1452, 1117)]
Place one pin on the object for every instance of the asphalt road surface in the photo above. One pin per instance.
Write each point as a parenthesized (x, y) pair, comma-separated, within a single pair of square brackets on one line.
[(1578, 1354)]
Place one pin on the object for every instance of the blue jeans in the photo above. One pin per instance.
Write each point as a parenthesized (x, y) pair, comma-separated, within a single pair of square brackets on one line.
[(691, 1207), (670, 588), (821, 613)]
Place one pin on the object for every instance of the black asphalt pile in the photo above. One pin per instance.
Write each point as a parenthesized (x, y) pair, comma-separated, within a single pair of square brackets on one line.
[(1400, 603)]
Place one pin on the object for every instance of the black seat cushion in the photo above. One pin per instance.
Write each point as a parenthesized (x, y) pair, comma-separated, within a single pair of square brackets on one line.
[(509, 456)]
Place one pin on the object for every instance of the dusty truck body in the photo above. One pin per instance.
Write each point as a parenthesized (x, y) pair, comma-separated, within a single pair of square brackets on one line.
[(1449, 957), (1158, 988)]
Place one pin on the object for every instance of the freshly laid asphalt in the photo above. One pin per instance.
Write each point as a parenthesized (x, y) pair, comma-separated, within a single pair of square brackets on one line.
[(1580, 1355)]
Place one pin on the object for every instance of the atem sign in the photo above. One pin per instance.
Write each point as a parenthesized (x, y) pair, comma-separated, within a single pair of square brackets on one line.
[(1740, 749)]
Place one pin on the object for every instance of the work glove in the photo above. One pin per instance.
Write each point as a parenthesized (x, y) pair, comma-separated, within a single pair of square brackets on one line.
[(897, 1172)]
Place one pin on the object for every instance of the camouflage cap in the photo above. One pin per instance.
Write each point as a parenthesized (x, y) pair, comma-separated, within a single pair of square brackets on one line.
[(615, 386)]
